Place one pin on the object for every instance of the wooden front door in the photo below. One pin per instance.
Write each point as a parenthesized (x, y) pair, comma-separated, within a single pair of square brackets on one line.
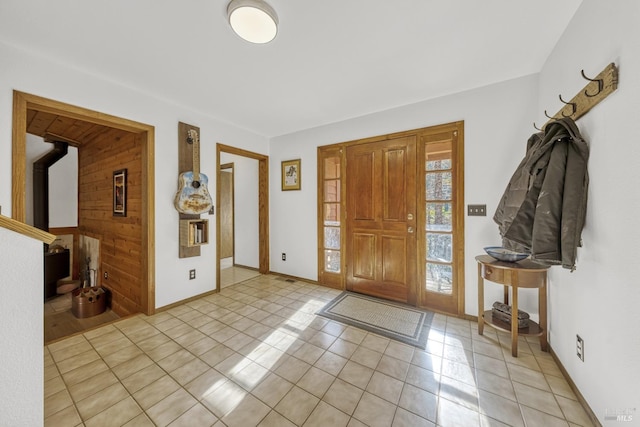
[(381, 219)]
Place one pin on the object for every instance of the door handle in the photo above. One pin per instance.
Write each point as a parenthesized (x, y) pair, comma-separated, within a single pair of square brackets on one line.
[(410, 230)]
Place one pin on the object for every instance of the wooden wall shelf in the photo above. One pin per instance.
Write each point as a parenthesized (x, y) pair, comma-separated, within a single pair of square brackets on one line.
[(194, 232)]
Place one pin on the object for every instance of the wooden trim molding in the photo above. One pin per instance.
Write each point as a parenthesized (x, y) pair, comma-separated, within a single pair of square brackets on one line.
[(26, 230)]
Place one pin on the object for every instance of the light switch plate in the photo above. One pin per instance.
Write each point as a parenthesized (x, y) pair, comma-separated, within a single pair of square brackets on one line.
[(477, 210)]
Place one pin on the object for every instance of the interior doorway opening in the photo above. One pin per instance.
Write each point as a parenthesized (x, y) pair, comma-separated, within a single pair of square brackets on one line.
[(242, 220)]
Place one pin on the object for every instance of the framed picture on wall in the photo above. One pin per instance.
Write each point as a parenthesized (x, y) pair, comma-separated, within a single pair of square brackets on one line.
[(291, 175), (120, 193)]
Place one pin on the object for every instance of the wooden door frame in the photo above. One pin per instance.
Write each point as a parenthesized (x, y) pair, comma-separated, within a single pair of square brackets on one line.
[(23, 102), (230, 166), (263, 205)]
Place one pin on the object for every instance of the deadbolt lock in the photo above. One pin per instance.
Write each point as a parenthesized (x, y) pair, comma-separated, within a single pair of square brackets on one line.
[(410, 217)]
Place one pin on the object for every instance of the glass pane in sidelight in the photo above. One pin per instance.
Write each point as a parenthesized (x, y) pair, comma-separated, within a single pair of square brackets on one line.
[(332, 167), (332, 214), (332, 190), (332, 237), (439, 247), (439, 186), (332, 261), (436, 165), (440, 278), (439, 216)]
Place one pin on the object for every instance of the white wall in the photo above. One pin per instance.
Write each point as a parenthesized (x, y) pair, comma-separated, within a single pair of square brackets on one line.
[(21, 311), (63, 184), (497, 120), (246, 225), (41, 76), (600, 301)]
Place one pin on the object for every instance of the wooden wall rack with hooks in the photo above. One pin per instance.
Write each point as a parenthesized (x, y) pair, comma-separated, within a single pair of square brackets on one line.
[(598, 88)]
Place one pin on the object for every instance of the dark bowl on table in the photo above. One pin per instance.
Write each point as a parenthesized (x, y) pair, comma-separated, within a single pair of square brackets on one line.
[(502, 254)]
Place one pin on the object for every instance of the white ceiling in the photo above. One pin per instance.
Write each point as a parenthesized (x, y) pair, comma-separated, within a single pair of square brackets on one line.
[(332, 59)]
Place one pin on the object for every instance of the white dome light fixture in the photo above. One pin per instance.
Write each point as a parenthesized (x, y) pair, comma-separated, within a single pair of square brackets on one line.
[(253, 20)]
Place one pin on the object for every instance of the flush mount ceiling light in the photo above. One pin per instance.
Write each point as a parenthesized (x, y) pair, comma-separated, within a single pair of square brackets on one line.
[(253, 20)]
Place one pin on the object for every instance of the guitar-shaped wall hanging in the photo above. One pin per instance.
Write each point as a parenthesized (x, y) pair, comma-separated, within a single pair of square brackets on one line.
[(193, 196)]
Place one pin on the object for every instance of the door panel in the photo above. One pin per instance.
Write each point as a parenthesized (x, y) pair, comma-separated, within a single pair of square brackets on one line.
[(380, 226)]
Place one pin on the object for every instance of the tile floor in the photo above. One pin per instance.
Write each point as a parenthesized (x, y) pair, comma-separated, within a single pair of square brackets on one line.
[(233, 274), (255, 354)]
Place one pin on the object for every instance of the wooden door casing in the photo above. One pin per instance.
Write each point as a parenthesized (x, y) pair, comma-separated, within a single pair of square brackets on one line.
[(381, 220), (225, 210)]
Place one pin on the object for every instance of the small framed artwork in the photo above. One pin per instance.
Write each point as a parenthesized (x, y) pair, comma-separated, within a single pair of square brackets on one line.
[(291, 175), (120, 193)]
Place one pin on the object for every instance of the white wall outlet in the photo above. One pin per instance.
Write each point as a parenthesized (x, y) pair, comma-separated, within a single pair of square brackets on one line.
[(580, 347), (192, 274)]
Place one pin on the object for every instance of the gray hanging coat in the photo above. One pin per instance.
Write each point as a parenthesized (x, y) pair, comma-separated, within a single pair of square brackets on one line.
[(542, 210)]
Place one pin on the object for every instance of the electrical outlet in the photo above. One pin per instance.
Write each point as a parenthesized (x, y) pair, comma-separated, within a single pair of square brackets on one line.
[(192, 274), (105, 275), (477, 210), (580, 347), (284, 256)]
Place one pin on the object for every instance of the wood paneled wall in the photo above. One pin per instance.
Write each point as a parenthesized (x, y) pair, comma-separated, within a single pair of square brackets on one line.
[(120, 237)]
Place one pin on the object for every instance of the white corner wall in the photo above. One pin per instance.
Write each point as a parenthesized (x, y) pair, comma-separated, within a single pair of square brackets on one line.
[(63, 184), (246, 225), (497, 123), (600, 301), (22, 332), (39, 75)]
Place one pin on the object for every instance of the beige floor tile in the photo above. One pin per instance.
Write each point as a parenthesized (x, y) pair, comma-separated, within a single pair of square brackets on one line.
[(418, 401), (404, 418), (272, 389), (142, 378), (171, 407), (356, 374), (499, 408), (331, 363), (538, 399), (156, 391), (119, 414), (427, 361), (374, 411), (297, 405), (528, 377), (393, 367), (574, 412), (423, 378), (132, 366), (400, 351), (57, 402), (495, 384), (198, 415), (92, 384), (249, 412), (326, 415), (274, 419), (534, 418), (98, 402), (66, 417), (284, 366), (224, 398), (366, 357), (292, 369), (316, 381), (451, 414), (189, 371), (206, 383), (386, 387)]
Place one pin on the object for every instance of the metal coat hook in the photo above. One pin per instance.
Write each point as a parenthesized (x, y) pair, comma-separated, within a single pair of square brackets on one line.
[(573, 106), (599, 81), (536, 127), (546, 114)]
